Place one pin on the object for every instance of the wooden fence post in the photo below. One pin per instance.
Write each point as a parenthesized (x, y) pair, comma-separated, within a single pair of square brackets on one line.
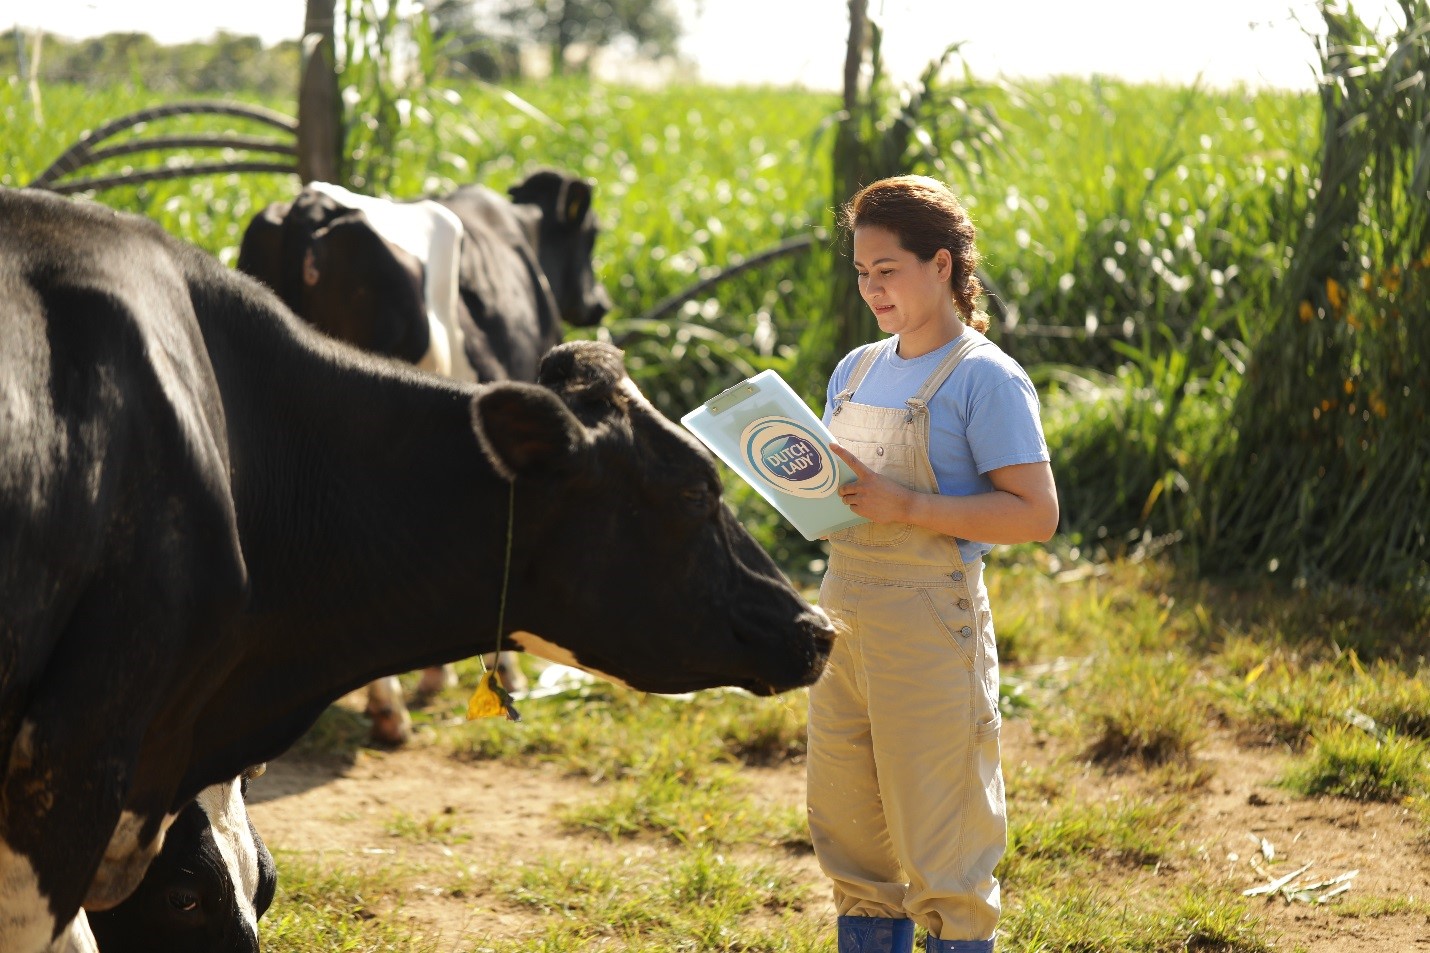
[(320, 134), (846, 309)]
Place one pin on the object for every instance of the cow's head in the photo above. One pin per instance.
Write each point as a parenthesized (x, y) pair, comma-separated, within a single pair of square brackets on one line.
[(566, 243), (627, 562), (332, 268), (204, 891)]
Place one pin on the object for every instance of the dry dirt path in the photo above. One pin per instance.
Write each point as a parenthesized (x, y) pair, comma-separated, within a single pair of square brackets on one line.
[(339, 815)]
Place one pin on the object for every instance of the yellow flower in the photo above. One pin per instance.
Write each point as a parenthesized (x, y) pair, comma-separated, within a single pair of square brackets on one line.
[(1377, 406), (1307, 312), (1365, 281), (1333, 293), (1350, 386)]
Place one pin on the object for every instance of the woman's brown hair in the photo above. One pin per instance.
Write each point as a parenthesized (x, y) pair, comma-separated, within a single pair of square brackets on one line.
[(925, 216)]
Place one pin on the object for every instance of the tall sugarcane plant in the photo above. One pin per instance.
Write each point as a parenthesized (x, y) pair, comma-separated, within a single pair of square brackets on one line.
[(1328, 476)]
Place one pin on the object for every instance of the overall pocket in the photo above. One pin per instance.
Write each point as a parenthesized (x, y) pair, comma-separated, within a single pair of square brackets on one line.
[(895, 461)]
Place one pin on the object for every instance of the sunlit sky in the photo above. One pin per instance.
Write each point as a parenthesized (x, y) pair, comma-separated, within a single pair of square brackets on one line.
[(1258, 42)]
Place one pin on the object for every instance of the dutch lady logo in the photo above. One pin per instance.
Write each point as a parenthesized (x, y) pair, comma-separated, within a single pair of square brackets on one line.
[(789, 457)]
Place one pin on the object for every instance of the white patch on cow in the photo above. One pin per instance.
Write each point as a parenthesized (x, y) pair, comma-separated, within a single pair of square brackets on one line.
[(438, 359), (432, 233), (78, 938), (125, 860), (224, 807), (536, 645), (25, 920)]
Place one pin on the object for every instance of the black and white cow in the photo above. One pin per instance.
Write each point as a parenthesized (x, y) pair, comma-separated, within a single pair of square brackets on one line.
[(525, 265), (205, 890), (472, 286), (212, 518)]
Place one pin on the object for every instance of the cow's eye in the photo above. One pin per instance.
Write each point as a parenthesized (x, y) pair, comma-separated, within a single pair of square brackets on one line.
[(699, 498), (185, 901)]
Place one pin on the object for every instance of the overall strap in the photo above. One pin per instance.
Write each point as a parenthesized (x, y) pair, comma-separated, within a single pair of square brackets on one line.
[(861, 368), (969, 340)]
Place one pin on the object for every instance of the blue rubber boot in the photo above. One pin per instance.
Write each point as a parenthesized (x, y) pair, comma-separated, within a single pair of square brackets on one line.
[(958, 946), (875, 935)]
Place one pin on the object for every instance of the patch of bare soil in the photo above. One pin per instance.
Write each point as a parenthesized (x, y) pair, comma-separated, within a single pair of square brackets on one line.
[(490, 816), (1242, 816)]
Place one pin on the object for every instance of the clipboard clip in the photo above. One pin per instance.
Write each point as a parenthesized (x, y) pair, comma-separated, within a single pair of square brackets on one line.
[(730, 397)]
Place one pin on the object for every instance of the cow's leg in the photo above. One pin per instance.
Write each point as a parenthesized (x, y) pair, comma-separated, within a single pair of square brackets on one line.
[(436, 680), (508, 670), (391, 724), (439, 678), (60, 809)]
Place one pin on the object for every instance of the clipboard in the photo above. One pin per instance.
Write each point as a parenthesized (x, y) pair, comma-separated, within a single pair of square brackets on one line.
[(767, 434)]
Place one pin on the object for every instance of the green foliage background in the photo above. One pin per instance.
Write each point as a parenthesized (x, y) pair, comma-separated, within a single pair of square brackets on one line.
[(1152, 246)]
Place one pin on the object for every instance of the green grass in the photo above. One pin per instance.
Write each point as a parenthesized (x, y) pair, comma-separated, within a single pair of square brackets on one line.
[(1073, 920), (1140, 706), (1052, 840), (699, 901), (328, 910), (435, 829), (1347, 761), (677, 853)]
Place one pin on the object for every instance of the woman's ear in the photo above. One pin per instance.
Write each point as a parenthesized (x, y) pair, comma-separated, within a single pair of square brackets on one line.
[(943, 264)]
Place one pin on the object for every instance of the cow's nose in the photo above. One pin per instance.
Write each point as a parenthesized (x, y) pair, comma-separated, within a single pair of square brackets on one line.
[(823, 630)]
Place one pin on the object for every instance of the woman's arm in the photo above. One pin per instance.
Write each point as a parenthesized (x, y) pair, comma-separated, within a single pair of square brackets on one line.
[(1022, 507)]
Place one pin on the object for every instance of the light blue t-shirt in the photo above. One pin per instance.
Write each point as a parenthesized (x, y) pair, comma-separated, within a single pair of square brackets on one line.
[(985, 416)]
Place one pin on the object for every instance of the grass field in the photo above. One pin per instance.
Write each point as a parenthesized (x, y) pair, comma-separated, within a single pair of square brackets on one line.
[(1168, 746)]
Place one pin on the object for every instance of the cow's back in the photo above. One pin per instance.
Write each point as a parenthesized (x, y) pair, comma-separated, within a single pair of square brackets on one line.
[(514, 316)]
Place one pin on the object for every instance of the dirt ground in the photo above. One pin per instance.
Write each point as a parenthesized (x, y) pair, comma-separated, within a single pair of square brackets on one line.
[(335, 815)]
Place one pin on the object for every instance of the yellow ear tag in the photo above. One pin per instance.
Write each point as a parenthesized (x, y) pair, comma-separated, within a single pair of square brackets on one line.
[(490, 700)]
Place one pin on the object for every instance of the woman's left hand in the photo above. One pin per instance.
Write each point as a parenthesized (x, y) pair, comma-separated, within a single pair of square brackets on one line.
[(874, 497)]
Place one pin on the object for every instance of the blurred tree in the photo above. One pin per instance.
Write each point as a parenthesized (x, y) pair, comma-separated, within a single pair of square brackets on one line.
[(468, 48), (562, 25), (225, 63)]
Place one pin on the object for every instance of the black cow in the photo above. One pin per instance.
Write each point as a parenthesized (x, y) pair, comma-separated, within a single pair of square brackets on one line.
[(212, 518), (376, 273), (205, 890)]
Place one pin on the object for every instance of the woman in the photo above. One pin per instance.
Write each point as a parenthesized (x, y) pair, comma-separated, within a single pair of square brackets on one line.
[(941, 428)]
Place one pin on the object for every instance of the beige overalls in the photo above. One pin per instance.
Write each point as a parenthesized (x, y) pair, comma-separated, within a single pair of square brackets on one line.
[(906, 805)]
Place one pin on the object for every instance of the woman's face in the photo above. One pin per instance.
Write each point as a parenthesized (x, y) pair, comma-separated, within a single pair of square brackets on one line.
[(904, 293)]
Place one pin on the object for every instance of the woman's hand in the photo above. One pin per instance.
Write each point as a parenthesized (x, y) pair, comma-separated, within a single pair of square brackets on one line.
[(872, 496)]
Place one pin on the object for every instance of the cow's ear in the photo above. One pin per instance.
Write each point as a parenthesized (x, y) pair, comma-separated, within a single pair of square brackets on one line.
[(260, 254), (525, 428), (575, 201)]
